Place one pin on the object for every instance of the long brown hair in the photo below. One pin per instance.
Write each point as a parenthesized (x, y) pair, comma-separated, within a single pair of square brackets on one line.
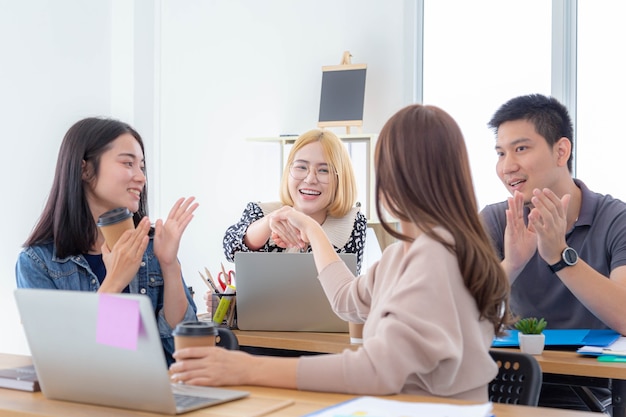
[(423, 176), (66, 219)]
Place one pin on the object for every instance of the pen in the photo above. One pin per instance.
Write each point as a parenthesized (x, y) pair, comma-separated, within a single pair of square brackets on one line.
[(211, 280), (613, 352), (205, 281), (230, 320)]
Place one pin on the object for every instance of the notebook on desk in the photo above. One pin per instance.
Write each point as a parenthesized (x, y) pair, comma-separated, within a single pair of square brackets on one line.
[(105, 349), (279, 291)]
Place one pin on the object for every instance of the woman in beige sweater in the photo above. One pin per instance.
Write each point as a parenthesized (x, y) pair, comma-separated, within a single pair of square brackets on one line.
[(431, 306)]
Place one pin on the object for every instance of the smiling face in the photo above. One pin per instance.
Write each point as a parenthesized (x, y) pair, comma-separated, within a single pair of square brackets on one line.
[(120, 179), (526, 161), (309, 195)]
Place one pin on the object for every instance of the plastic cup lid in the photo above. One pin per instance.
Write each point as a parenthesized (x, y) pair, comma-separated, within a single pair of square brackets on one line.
[(114, 216), (195, 328)]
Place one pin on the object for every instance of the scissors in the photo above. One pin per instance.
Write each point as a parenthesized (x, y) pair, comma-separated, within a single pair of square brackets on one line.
[(225, 278)]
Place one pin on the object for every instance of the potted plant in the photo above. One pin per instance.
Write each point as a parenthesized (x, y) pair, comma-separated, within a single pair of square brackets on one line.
[(531, 339)]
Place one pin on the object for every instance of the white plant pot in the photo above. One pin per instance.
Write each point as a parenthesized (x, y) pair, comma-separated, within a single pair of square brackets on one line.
[(532, 343)]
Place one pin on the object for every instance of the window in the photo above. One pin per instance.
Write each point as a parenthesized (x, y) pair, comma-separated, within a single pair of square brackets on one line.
[(478, 55), (601, 141)]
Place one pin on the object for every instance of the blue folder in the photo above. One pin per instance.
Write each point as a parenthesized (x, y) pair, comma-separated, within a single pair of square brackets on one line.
[(572, 338)]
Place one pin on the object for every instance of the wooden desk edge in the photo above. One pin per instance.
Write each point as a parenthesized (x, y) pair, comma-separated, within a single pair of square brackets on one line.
[(304, 401), (321, 342)]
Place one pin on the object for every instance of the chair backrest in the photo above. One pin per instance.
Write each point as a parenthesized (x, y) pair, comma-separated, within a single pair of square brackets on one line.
[(518, 380)]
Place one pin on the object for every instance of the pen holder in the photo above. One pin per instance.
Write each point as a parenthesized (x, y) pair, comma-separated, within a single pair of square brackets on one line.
[(224, 309)]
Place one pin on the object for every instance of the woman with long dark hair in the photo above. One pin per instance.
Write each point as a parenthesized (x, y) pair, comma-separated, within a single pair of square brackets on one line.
[(101, 167)]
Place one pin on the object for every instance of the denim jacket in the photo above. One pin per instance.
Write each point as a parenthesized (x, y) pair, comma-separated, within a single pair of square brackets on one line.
[(39, 267)]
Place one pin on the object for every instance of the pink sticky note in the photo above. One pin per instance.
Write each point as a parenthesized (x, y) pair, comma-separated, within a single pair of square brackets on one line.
[(119, 322)]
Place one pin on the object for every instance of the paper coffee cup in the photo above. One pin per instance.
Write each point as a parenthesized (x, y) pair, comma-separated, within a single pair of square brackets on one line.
[(356, 332), (115, 222), (194, 333)]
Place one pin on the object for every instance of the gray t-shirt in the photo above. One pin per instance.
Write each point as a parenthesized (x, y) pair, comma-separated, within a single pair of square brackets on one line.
[(599, 237)]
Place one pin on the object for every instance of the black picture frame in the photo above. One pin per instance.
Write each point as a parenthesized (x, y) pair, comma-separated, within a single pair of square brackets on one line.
[(343, 95)]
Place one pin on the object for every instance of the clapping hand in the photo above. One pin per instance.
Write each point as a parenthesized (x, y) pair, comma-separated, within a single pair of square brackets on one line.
[(122, 262), (520, 241), (549, 220), (167, 234)]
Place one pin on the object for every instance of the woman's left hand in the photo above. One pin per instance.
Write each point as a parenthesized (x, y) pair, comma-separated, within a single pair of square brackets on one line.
[(167, 234), (211, 366)]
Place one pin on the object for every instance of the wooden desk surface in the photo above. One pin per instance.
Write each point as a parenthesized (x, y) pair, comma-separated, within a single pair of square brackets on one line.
[(27, 404), (551, 361)]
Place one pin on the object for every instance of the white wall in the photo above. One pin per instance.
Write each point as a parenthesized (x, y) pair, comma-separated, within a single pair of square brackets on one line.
[(232, 70), (54, 70), (196, 78)]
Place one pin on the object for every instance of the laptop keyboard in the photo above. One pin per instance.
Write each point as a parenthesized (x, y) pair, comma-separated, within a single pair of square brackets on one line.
[(185, 401)]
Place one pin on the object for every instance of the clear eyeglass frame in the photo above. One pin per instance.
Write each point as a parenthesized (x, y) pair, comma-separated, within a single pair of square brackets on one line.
[(300, 171)]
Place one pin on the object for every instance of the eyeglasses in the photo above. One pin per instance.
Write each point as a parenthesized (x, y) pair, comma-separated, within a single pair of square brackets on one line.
[(300, 171)]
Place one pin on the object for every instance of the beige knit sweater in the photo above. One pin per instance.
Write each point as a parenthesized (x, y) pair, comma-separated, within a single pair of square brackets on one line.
[(422, 335)]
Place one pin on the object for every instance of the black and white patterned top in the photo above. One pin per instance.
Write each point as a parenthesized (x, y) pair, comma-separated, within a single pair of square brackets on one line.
[(347, 234)]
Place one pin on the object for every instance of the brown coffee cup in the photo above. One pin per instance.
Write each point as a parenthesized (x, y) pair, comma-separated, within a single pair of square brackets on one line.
[(115, 222), (356, 332), (194, 333)]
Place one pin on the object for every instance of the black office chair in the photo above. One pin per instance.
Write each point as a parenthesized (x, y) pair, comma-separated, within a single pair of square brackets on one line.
[(518, 380)]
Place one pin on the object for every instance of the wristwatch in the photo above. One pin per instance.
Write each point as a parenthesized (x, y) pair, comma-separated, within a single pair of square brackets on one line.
[(569, 257)]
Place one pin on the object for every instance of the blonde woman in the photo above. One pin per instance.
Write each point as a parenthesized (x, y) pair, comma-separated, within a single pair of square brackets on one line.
[(319, 181)]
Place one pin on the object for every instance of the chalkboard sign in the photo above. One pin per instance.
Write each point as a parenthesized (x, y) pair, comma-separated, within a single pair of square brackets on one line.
[(343, 95)]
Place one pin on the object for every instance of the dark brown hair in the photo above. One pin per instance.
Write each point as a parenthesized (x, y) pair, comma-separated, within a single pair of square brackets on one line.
[(66, 219), (423, 177)]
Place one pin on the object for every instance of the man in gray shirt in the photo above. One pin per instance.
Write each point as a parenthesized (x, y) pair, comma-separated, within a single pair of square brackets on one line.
[(562, 245)]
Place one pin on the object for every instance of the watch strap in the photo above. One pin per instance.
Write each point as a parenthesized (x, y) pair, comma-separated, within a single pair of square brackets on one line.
[(564, 261), (558, 266)]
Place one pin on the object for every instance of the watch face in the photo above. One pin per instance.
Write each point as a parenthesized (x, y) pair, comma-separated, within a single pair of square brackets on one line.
[(570, 256)]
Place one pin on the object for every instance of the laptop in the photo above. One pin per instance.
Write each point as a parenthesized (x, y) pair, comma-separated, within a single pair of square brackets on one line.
[(278, 291), (105, 349)]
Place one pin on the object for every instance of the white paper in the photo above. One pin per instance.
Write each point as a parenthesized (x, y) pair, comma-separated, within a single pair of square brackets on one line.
[(616, 348), (379, 407)]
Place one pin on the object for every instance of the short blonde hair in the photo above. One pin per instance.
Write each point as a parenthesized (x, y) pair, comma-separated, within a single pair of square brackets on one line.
[(342, 185)]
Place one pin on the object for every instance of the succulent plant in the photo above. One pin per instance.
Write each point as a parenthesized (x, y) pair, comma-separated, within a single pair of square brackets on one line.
[(531, 325)]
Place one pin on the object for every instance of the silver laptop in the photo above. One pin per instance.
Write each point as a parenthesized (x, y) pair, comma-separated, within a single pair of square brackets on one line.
[(82, 354), (279, 291)]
